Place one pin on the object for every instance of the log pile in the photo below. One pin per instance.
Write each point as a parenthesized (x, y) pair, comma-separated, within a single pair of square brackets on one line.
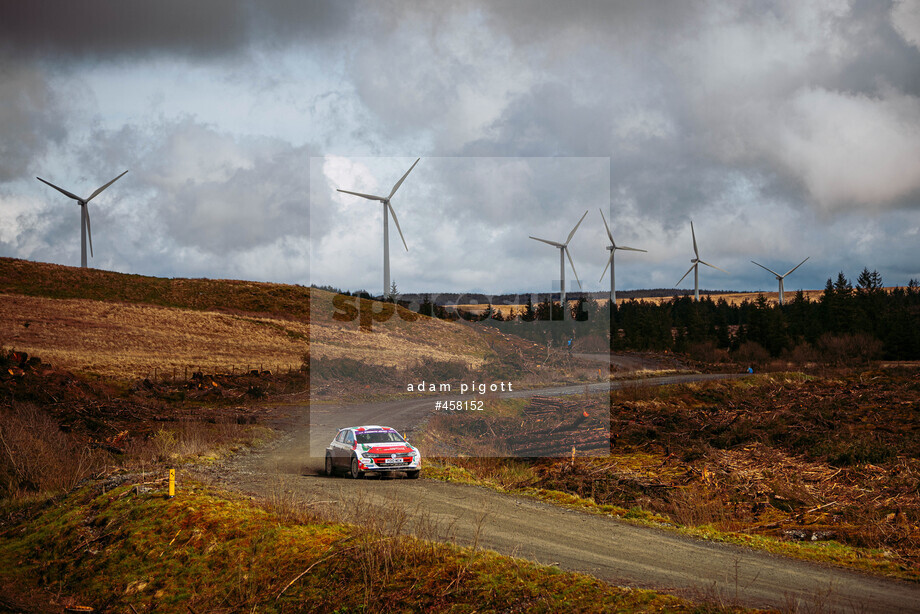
[(542, 407), (559, 442), (555, 426)]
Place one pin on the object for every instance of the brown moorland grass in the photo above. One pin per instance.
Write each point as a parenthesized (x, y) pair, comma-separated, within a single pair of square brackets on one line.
[(400, 339), (57, 281), (130, 341), (129, 326)]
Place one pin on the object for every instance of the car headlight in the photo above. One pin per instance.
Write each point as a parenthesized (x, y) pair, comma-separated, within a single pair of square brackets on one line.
[(365, 455)]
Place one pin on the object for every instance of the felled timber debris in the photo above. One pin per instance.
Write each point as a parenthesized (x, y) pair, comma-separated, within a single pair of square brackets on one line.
[(555, 426), (548, 406)]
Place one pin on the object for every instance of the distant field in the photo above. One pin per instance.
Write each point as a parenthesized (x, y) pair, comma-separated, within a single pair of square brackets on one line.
[(734, 298), (737, 298)]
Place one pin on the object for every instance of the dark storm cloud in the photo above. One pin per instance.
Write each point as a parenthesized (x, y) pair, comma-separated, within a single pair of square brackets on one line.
[(548, 23), (484, 195), (223, 194), (547, 121), (885, 56), (661, 175), (250, 207), (106, 29), (31, 118), (816, 103)]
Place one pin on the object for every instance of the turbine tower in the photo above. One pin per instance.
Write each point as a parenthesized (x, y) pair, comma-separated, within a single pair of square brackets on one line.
[(613, 247), (695, 267), (781, 277), (563, 253), (387, 211), (85, 229)]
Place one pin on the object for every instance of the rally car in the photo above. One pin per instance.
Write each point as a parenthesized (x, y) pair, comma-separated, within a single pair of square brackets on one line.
[(360, 450)]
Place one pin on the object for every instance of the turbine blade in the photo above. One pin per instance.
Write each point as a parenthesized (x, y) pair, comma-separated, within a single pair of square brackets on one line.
[(609, 234), (714, 267), (609, 260), (695, 250), (796, 266), (367, 196), (771, 270), (61, 190), (576, 228), (553, 243), (633, 249), (96, 193), (685, 274), (89, 229), (393, 213), (570, 260), (399, 183)]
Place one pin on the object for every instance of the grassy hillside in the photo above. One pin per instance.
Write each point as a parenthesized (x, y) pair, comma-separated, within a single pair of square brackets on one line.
[(400, 339), (131, 326), (62, 282), (134, 340)]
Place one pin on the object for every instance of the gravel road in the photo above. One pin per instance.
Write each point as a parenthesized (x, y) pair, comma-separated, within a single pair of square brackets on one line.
[(614, 551)]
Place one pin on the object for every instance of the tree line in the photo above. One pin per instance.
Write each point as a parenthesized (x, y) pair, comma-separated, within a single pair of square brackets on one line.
[(846, 323)]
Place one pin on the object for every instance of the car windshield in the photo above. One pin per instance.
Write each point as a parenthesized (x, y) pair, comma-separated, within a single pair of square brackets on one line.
[(378, 437)]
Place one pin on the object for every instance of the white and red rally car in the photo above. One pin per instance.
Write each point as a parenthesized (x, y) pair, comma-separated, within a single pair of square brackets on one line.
[(358, 450)]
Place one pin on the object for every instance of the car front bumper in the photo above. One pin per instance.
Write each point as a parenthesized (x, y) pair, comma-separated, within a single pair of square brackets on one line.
[(368, 465)]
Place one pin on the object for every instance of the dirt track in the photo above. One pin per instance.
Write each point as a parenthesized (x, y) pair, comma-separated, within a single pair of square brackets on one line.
[(611, 550)]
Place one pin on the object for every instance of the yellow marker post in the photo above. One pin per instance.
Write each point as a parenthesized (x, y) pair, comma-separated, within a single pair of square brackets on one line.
[(172, 483)]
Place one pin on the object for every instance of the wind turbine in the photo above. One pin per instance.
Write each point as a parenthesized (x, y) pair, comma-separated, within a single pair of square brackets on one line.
[(85, 228), (387, 208), (563, 253), (781, 277), (695, 267), (613, 247)]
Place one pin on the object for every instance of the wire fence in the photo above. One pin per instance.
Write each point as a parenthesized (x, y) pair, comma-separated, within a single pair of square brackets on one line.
[(189, 373)]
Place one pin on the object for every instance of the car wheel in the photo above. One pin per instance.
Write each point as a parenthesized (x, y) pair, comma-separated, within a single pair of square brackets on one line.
[(330, 470), (355, 472), (413, 475)]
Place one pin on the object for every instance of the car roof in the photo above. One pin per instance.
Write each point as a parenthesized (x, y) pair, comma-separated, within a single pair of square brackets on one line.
[(369, 427)]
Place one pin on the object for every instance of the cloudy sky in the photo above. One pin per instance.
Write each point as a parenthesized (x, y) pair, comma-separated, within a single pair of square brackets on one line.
[(782, 129)]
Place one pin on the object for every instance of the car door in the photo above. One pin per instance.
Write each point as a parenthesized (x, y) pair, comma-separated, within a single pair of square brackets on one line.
[(343, 449), (335, 448)]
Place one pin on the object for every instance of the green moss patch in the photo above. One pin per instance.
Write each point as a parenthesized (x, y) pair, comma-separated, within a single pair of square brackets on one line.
[(219, 553)]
